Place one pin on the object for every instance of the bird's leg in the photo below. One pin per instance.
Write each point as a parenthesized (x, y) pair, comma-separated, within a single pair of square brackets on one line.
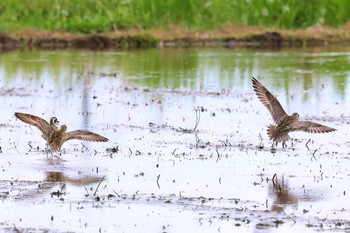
[(273, 147), (284, 145), (56, 155), (60, 150), (47, 151)]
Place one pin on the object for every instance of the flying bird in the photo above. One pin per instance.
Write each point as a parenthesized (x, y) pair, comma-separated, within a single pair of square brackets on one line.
[(284, 123), (56, 137)]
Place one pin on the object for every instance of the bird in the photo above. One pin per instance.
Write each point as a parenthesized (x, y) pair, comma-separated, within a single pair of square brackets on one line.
[(284, 123), (45, 127), (56, 137)]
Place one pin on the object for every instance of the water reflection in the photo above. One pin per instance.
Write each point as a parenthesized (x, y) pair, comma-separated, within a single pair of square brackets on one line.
[(178, 68), (281, 193), (285, 195), (60, 177)]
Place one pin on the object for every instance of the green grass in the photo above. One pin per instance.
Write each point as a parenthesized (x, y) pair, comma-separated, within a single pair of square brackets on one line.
[(107, 15)]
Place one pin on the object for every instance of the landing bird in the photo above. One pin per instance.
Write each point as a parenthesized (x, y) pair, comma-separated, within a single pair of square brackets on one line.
[(56, 137), (284, 123)]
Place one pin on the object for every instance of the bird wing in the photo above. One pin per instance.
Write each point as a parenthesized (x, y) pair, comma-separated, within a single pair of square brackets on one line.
[(38, 122), (84, 135), (269, 101), (311, 127)]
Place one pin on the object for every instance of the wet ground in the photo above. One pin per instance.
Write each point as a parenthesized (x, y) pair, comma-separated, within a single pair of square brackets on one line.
[(188, 149)]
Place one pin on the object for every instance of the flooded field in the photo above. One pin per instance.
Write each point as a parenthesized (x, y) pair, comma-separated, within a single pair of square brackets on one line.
[(187, 150)]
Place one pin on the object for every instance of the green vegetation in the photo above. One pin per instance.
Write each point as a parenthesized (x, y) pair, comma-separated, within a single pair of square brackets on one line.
[(108, 15)]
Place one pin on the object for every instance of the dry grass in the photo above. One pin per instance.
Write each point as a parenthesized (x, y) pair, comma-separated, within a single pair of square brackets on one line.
[(328, 34)]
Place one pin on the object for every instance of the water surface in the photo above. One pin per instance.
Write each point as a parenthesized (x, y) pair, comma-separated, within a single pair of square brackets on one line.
[(164, 176)]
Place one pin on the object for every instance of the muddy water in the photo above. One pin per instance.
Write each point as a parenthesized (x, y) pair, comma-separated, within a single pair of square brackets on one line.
[(160, 172)]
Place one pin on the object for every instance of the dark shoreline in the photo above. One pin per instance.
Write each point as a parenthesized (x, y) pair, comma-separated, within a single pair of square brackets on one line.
[(99, 42)]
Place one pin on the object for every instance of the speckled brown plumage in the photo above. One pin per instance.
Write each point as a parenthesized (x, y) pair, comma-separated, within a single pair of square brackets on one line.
[(56, 137), (284, 122)]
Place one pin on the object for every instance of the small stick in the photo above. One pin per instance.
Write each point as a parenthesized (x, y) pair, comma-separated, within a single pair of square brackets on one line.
[(307, 144), (173, 151), (217, 159), (158, 181), (116, 193), (198, 117), (87, 191), (274, 176), (84, 147), (260, 138), (99, 185), (313, 155)]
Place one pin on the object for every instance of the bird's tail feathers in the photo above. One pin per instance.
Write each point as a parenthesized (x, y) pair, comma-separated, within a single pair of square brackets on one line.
[(275, 135)]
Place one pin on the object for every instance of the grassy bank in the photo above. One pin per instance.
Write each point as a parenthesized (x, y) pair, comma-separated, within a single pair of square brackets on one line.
[(91, 16)]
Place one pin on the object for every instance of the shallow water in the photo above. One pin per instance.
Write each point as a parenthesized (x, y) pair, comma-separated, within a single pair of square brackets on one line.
[(163, 175)]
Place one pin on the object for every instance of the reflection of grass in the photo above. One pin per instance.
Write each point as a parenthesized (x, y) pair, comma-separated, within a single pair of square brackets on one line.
[(105, 15), (179, 68)]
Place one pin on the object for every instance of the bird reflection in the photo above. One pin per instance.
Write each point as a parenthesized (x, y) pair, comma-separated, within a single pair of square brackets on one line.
[(50, 182), (280, 190), (60, 177)]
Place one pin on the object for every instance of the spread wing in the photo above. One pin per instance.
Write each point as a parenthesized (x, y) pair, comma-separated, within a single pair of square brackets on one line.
[(311, 127), (84, 135), (269, 101), (38, 122)]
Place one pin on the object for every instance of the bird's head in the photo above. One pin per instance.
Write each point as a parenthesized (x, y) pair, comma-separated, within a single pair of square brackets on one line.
[(295, 116), (63, 128), (53, 121)]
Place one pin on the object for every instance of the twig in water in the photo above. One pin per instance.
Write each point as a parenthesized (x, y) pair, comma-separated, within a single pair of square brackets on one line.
[(273, 179), (84, 147), (99, 185), (197, 140), (173, 151), (158, 181), (87, 191), (313, 155), (223, 143), (261, 145), (307, 144), (63, 187), (198, 117), (217, 159)]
